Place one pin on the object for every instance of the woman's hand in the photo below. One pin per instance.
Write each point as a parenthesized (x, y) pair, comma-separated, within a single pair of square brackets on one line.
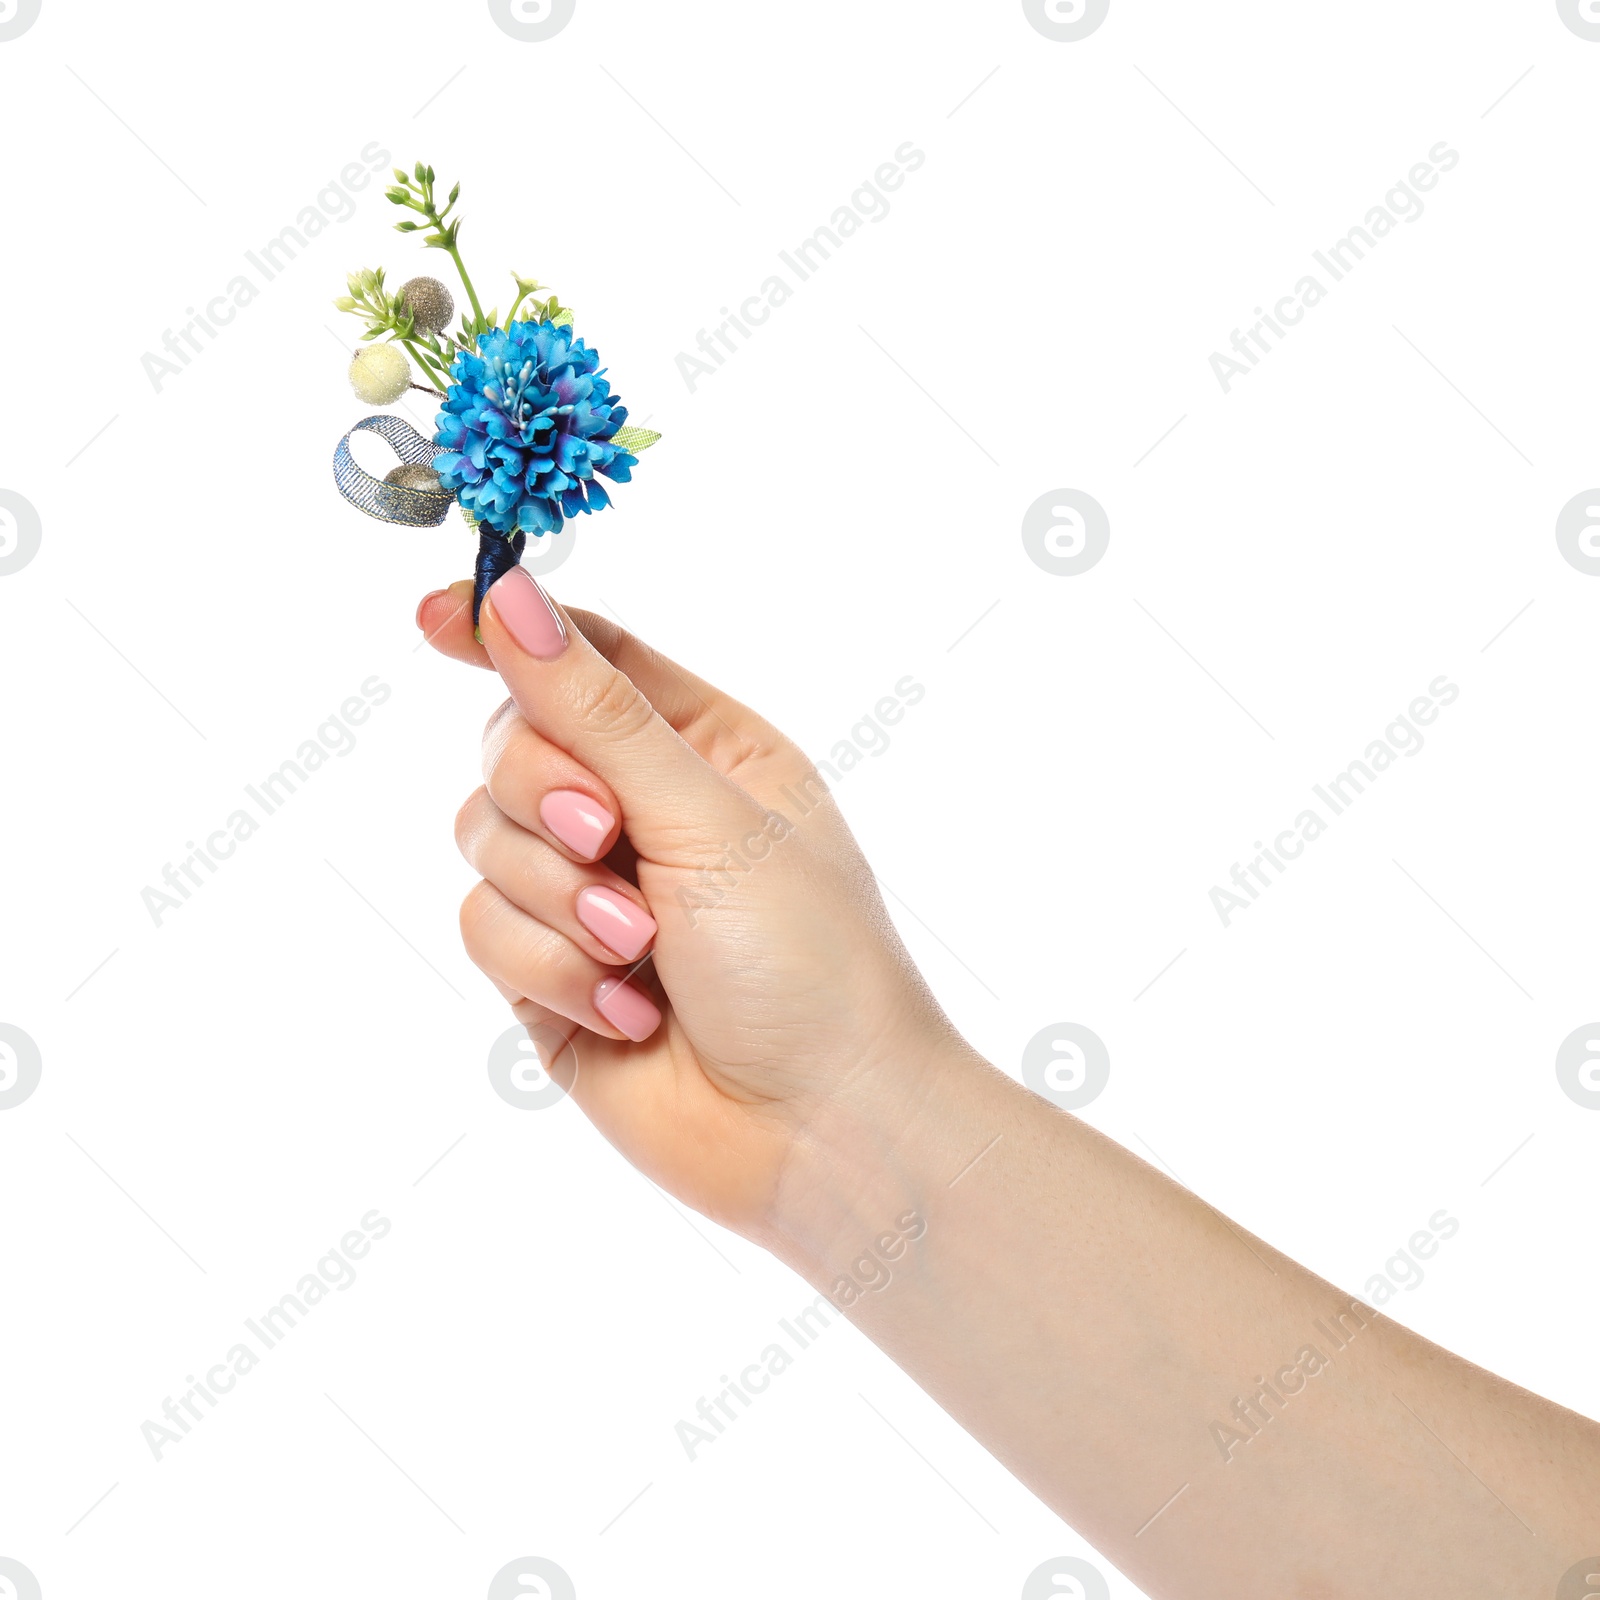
[(1214, 1417), (630, 810)]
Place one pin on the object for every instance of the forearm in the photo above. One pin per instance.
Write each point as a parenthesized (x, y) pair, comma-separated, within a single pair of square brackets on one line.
[(1096, 1327)]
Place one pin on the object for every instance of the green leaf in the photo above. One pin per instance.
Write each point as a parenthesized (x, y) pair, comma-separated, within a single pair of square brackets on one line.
[(633, 439)]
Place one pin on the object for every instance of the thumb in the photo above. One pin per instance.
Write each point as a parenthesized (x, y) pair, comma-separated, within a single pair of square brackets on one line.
[(678, 810)]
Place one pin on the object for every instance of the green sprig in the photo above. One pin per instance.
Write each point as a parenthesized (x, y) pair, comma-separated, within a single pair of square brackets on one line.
[(415, 192), (386, 314)]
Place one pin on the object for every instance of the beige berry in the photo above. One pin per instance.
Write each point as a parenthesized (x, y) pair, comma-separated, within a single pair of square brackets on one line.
[(380, 374)]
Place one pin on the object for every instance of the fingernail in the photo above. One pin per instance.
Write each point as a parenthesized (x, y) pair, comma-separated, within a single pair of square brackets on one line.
[(626, 1009), (528, 616), (433, 594), (575, 819), (616, 922)]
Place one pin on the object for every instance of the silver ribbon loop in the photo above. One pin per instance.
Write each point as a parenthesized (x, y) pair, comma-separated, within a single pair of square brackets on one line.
[(391, 502)]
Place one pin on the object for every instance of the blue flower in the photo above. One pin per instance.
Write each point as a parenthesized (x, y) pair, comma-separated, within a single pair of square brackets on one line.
[(526, 425)]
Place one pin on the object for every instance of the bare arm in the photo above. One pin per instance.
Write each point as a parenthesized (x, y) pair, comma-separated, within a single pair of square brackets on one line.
[(1216, 1419)]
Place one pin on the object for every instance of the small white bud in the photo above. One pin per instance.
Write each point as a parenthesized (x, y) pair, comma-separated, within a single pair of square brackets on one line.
[(380, 374)]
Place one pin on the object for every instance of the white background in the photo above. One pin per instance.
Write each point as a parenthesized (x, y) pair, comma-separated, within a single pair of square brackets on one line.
[(225, 1095)]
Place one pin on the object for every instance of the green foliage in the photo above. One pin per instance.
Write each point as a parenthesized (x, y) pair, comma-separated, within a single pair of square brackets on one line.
[(385, 313)]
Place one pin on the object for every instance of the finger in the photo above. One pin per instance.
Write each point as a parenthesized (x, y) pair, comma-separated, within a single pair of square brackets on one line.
[(445, 617), (542, 789), (544, 965), (737, 741), (676, 807), (600, 912)]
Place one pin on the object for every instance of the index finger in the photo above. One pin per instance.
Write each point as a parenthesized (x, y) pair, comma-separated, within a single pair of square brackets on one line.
[(677, 808)]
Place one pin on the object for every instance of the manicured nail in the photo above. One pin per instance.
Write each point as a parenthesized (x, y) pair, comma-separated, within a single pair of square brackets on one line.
[(433, 594), (581, 825), (617, 923), (626, 1009), (528, 616)]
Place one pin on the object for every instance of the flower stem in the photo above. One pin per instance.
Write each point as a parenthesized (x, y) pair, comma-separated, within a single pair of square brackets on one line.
[(472, 294), (429, 368)]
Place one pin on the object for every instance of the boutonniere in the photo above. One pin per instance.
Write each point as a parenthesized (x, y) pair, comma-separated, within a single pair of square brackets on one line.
[(528, 424)]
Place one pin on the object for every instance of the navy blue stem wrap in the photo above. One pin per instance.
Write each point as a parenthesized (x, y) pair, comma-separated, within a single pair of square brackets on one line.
[(497, 555), (419, 508)]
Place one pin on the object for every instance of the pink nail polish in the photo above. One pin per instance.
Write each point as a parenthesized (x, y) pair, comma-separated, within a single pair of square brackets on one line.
[(527, 615), (616, 922), (577, 821), (626, 1009)]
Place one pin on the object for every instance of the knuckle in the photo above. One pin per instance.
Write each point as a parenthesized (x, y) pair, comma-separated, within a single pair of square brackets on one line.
[(511, 779), (613, 706), (479, 916), (506, 710), (470, 820), (500, 734)]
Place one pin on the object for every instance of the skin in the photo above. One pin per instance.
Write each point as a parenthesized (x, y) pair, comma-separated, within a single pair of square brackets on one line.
[(1087, 1319)]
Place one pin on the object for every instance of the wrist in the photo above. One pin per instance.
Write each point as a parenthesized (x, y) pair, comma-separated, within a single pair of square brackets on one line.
[(868, 1165)]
